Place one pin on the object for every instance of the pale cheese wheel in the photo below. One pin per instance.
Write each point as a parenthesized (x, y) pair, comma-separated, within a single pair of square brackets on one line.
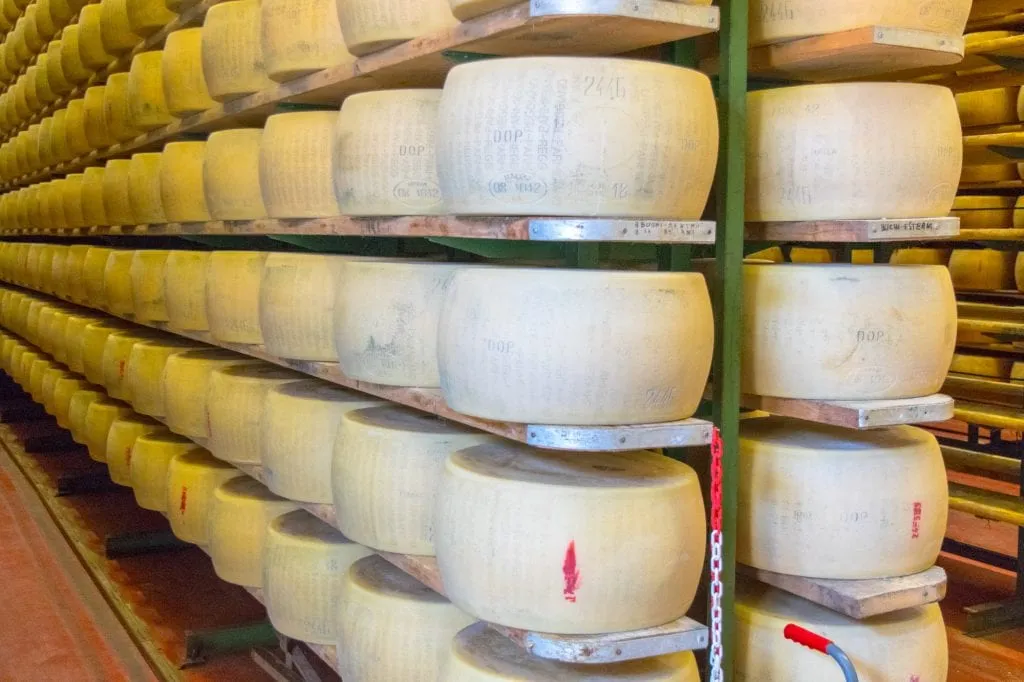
[(296, 165), (145, 371), (886, 519), (181, 182), (386, 475), (239, 513), (233, 295), (94, 268), (391, 626), (148, 16), (117, 282), (185, 384), (982, 269), (575, 511), (920, 256), (116, 108), (185, 290), (569, 156), (151, 459), (984, 211), (982, 365), (236, 399), (191, 479), (988, 107), (147, 107), (98, 419), (298, 38), (121, 437), (384, 154), (808, 158), (147, 272), (117, 350), (64, 390), (296, 305), (372, 25), (116, 199), (78, 407), (574, 346), (904, 645), (93, 211), (94, 118), (115, 30), (91, 51), (231, 174), (232, 52), (816, 332), (144, 188), (184, 85), (304, 563), (300, 436)]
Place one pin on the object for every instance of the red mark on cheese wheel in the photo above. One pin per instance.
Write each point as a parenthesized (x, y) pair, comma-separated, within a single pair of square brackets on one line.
[(184, 497), (915, 526), (128, 455), (120, 369), (570, 573), (915, 678)]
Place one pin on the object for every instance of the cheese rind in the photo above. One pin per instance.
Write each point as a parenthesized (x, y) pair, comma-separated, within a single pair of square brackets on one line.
[(233, 295), (148, 16), (116, 353), (151, 458), (93, 270), (988, 173), (117, 282), (298, 38), (115, 30), (235, 405), (982, 269), (144, 374), (920, 256), (372, 25), (233, 62), (296, 165), (984, 211), (121, 437), (147, 272), (91, 50), (116, 108), (988, 107), (184, 85), (191, 479), (144, 188), (982, 365), (296, 305), (147, 106), (98, 419), (1019, 271), (185, 290), (185, 382), (116, 199), (181, 182), (231, 174)]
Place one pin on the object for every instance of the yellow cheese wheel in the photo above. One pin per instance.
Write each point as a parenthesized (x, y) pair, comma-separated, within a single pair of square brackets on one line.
[(50, 378), (24, 373), (799, 254), (982, 269), (46, 23), (982, 365), (117, 283), (121, 437), (73, 272), (93, 211), (151, 458), (90, 38), (987, 107), (73, 332), (239, 514), (77, 409), (300, 38), (295, 165), (1018, 213), (185, 384), (148, 16), (232, 52), (144, 188), (145, 371), (116, 353), (59, 136), (115, 31), (35, 377), (63, 391), (575, 511), (296, 306), (98, 418), (236, 399), (233, 295), (74, 132), (984, 211), (116, 200), (920, 256), (116, 108), (45, 136), (304, 563), (147, 107), (71, 64), (370, 25), (181, 182), (185, 290), (300, 435), (809, 159), (71, 198), (191, 479), (55, 77), (815, 331), (184, 85), (231, 174), (94, 118), (147, 272)]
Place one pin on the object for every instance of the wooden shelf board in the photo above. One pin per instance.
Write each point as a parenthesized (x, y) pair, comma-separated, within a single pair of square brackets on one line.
[(1000, 184), (862, 414), (986, 504), (992, 416), (986, 390), (998, 329), (861, 598), (881, 230)]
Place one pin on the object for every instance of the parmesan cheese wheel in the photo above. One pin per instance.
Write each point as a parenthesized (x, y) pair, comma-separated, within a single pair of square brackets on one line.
[(151, 458), (295, 165), (235, 405), (391, 626), (231, 174), (982, 269), (73, 348), (238, 518), (575, 511), (1018, 213), (55, 77), (144, 188), (388, 463), (809, 159), (78, 406), (372, 25), (184, 84), (93, 54), (117, 282), (301, 37), (987, 107), (903, 645), (116, 353), (304, 563), (191, 479), (887, 519), (116, 200), (919, 256), (982, 365), (185, 384), (71, 64), (115, 30), (384, 154), (984, 211), (570, 157), (50, 378), (63, 390), (233, 295), (559, 347), (147, 272), (93, 211), (300, 435), (35, 377), (71, 198), (481, 654), (148, 16), (147, 107), (98, 419), (45, 135), (121, 437), (73, 272), (116, 108), (181, 182), (815, 332), (94, 118), (296, 307), (185, 290), (145, 370), (93, 270), (232, 52)]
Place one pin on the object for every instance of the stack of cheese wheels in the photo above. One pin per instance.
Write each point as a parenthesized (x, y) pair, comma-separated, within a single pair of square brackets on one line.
[(384, 154), (232, 50), (391, 626), (295, 165), (813, 331), (151, 457), (145, 370), (297, 40), (984, 211), (233, 295), (185, 384), (237, 528), (296, 305), (982, 269), (888, 519), (304, 563), (988, 107), (117, 283), (116, 353), (574, 347), (181, 182), (370, 25), (904, 645), (919, 256), (300, 426), (185, 290), (490, 161), (121, 437), (235, 405), (191, 479), (98, 419), (184, 85), (147, 107), (144, 188), (481, 654), (573, 510), (388, 464), (147, 272), (808, 159), (231, 174), (394, 340), (982, 365)]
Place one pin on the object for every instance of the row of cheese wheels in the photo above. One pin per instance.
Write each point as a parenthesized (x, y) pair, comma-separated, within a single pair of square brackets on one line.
[(25, 28), (542, 345)]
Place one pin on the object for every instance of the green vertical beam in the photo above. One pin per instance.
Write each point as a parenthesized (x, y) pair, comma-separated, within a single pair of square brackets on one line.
[(732, 108)]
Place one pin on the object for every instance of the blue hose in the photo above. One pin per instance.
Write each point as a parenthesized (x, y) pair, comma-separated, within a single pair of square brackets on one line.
[(844, 662)]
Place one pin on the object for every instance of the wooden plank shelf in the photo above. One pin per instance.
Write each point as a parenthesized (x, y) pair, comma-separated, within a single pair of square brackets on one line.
[(999, 330), (861, 598), (534, 27), (881, 230), (857, 414)]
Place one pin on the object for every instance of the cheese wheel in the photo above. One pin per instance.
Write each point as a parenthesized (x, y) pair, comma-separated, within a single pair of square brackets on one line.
[(984, 211), (231, 174), (74, 351), (299, 437), (115, 30), (982, 365), (296, 306), (117, 282), (386, 474), (481, 654), (903, 645), (987, 107), (181, 182), (145, 371), (235, 405), (184, 85), (147, 272), (809, 159), (232, 52), (35, 377), (151, 459), (78, 406), (73, 272), (1018, 213), (185, 384), (384, 154), (98, 419), (191, 479), (116, 108), (75, 137), (304, 563), (50, 378), (71, 199), (919, 256), (148, 16), (300, 38), (64, 390), (815, 332), (185, 290), (93, 211), (147, 107), (492, 161), (295, 165), (55, 77), (391, 626), (1019, 271), (575, 511), (238, 518), (144, 188), (116, 353), (887, 519), (982, 269), (121, 437), (45, 135), (372, 25), (233, 295), (71, 64), (558, 347), (799, 254), (116, 200), (90, 38), (94, 118), (93, 270)]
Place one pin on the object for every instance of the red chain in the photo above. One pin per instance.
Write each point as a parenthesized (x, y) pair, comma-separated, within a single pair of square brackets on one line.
[(716, 479)]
